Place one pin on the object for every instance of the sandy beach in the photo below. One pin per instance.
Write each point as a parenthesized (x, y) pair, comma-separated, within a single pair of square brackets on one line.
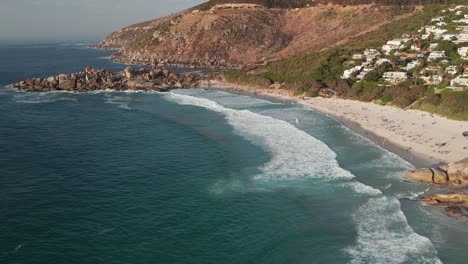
[(419, 137)]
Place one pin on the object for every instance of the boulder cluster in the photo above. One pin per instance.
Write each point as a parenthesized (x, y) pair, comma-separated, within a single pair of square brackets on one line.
[(144, 79), (454, 175)]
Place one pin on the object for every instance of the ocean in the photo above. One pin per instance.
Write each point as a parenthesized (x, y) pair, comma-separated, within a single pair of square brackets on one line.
[(197, 176)]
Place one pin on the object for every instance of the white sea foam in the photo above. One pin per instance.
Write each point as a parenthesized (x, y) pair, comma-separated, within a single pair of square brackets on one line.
[(119, 101), (295, 154), (229, 100), (384, 236), (412, 195), (41, 98)]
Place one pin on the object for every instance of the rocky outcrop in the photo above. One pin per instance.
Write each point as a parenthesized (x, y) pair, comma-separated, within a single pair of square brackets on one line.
[(454, 176), (235, 37), (154, 79), (452, 173), (455, 204)]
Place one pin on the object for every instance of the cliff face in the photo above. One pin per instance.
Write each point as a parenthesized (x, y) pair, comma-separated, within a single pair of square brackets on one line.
[(233, 35)]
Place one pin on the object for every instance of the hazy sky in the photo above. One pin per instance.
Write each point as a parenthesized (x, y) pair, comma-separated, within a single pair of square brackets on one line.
[(77, 20)]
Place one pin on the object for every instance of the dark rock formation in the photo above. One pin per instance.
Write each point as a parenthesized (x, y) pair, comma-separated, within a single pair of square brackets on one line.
[(154, 79)]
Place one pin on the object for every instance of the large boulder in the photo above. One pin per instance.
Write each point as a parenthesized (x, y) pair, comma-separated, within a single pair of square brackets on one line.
[(66, 83), (129, 72), (422, 175), (447, 199), (457, 173), (439, 177)]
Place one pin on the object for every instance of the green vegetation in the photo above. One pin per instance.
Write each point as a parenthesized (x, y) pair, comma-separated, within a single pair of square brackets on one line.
[(303, 3), (240, 77), (449, 103), (309, 74)]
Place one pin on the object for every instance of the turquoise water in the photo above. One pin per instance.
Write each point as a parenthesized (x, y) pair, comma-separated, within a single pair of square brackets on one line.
[(197, 176)]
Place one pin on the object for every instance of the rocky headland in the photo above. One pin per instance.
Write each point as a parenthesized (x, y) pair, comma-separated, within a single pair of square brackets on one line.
[(144, 79), (453, 180), (220, 35)]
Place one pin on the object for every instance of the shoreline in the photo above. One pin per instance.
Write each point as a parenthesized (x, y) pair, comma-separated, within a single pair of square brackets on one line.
[(350, 115)]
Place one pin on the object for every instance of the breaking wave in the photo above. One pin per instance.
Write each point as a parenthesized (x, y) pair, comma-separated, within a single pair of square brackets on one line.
[(384, 236), (383, 233)]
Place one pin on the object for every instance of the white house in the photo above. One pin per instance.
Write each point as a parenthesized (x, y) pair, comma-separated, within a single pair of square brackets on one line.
[(433, 79), (452, 70), (358, 56), (459, 82), (433, 46), (395, 77), (462, 38), (416, 47), (463, 51), (436, 31), (435, 55), (382, 61), (371, 54), (394, 44), (347, 73), (461, 21), (411, 65), (449, 36)]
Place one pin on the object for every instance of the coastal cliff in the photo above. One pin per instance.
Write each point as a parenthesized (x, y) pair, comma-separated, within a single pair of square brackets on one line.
[(236, 35)]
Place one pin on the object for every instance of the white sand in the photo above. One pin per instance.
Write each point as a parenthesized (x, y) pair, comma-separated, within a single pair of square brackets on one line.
[(418, 132)]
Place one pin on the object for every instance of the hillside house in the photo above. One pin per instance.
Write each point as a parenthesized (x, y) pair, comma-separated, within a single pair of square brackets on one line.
[(435, 31), (463, 51), (462, 38), (358, 56), (394, 44), (432, 79), (371, 53), (411, 65), (450, 36), (382, 61), (459, 82), (348, 73), (451, 70), (395, 77), (416, 47), (436, 55), (432, 46)]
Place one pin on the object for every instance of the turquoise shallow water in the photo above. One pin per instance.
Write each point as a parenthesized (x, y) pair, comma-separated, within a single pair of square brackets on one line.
[(197, 176)]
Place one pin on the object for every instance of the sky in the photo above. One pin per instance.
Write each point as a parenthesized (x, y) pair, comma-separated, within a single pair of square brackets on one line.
[(77, 20)]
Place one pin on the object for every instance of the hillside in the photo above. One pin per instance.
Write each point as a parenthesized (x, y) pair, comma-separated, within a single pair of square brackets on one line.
[(218, 35)]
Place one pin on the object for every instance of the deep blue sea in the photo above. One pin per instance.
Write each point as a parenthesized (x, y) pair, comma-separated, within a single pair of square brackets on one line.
[(196, 176)]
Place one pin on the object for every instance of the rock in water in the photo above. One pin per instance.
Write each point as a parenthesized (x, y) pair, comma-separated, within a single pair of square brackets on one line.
[(90, 79)]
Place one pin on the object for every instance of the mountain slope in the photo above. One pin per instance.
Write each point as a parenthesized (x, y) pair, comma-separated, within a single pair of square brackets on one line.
[(243, 34)]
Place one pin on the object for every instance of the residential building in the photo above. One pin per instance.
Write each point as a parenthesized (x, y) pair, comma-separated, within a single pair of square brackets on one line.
[(411, 65), (459, 82), (432, 79), (358, 56), (462, 38), (450, 36), (348, 73), (395, 77), (436, 55), (382, 61), (463, 51), (452, 70)]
